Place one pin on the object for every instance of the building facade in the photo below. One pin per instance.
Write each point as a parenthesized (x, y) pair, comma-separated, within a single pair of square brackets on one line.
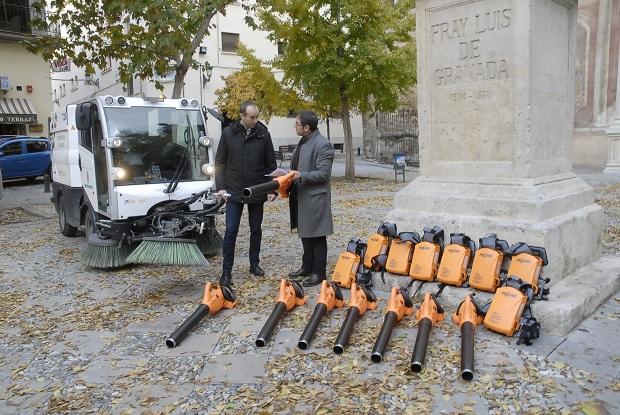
[(25, 88), (217, 51)]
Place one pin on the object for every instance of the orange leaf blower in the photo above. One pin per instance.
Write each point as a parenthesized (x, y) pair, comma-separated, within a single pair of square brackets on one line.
[(467, 315), (280, 184), (291, 295), (215, 298), (330, 297), (362, 299), (429, 314), (487, 269), (427, 254), (456, 259), (399, 305)]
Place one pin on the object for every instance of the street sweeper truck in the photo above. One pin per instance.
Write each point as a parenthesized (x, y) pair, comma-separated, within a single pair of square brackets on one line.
[(136, 174)]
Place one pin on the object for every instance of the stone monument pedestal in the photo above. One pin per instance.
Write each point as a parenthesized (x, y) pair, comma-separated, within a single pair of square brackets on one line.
[(496, 93)]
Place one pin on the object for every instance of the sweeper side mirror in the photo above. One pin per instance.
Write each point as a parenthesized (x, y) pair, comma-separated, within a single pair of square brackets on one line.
[(84, 116)]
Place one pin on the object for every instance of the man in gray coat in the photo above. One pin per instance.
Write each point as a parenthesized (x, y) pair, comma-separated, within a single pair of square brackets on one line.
[(310, 197)]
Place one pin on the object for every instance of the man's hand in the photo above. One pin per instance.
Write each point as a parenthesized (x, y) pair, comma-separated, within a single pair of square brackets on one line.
[(296, 175), (271, 197), (224, 195)]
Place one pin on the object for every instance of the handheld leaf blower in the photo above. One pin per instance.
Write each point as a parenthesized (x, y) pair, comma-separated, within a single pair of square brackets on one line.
[(280, 184), (215, 298), (361, 300), (291, 295), (330, 297), (429, 314), (399, 305), (467, 315)]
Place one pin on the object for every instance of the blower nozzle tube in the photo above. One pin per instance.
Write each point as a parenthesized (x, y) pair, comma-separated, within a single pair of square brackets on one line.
[(467, 351), (353, 314), (389, 322), (421, 341), (261, 189), (276, 315), (181, 333), (319, 311)]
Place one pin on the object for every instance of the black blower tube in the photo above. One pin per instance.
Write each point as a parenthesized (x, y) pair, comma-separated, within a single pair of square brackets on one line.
[(276, 315), (261, 189), (421, 341), (180, 333), (467, 351), (389, 321), (319, 311), (353, 314)]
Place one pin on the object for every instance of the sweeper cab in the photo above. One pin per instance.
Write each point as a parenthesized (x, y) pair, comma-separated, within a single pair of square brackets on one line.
[(131, 169)]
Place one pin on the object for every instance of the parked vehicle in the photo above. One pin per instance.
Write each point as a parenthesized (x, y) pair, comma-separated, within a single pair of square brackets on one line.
[(24, 157)]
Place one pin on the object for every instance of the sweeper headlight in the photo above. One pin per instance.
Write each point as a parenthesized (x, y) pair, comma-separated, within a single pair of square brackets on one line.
[(194, 103), (119, 173), (109, 100), (207, 169), (205, 141)]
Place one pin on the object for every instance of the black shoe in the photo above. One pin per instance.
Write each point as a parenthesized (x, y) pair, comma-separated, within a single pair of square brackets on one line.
[(312, 280), (299, 273), (226, 279), (257, 270)]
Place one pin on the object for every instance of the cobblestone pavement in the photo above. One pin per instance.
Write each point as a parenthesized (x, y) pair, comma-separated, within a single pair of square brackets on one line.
[(77, 341)]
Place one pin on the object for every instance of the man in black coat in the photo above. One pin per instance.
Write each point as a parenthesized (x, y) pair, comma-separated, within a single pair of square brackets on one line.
[(244, 156)]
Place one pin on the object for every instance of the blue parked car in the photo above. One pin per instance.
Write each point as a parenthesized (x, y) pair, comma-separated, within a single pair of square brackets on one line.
[(24, 157)]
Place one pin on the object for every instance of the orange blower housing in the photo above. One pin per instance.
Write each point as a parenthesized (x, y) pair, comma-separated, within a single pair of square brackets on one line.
[(330, 297), (468, 314), (361, 300), (378, 245), (399, 305), (427, 254), (215, 297), (487, 269), (290, 294), (401, 250), (526, 263), (456, 260)]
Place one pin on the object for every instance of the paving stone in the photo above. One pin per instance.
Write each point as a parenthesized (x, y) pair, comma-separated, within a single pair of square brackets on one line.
[(246, 368)]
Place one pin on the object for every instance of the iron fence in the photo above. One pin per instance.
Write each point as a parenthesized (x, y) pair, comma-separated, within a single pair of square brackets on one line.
[(397, 132)]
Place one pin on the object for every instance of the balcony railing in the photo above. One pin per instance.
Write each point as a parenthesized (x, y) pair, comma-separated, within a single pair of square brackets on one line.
[(18, 20)]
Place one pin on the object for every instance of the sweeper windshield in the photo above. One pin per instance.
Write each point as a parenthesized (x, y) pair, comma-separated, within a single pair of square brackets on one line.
[(152, 144)]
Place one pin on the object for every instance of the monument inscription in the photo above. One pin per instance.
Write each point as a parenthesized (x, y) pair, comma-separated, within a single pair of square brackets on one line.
[(471, 90)]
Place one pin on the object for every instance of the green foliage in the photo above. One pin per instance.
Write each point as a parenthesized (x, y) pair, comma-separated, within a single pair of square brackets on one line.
[(255, 81), (364, 48), (147, 37)]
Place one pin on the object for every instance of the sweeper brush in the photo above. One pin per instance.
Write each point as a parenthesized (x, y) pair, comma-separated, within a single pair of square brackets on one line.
[(104, 253), (168, 251)]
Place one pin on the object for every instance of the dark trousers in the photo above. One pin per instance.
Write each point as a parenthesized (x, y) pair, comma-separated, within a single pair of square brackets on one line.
[(314, 258), (233, 218)]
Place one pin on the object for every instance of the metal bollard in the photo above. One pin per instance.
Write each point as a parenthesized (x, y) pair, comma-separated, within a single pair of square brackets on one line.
[(46, 183)]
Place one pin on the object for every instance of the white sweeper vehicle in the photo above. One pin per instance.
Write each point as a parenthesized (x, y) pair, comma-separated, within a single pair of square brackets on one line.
[(136, 174)]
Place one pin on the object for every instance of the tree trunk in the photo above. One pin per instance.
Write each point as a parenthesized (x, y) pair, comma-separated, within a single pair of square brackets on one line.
[(187, 55), (349, 167)]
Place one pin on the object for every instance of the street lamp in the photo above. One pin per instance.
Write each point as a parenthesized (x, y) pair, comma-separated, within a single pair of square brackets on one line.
[(206, 75)]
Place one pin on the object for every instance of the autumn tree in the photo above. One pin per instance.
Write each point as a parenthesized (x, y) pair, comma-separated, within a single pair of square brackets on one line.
[(340, 52), (146, 37), (256, 81)]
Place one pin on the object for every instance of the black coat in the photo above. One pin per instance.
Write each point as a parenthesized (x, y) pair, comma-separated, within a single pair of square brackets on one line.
[(241, 162)]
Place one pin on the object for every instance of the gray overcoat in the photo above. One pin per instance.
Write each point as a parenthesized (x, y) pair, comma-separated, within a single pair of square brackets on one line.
[(314, 196)]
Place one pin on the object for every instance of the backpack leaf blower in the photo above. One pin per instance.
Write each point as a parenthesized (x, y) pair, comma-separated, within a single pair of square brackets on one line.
[(526, 262), (510, 311), (291, 295), (378, 246), (330, 297), (429, 314), (427, 254), (487, 270), (361, 300), (467, 315), (456, 260), (350, 267), (401, 250), (399, 305), (214, 299), (280, 184)]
